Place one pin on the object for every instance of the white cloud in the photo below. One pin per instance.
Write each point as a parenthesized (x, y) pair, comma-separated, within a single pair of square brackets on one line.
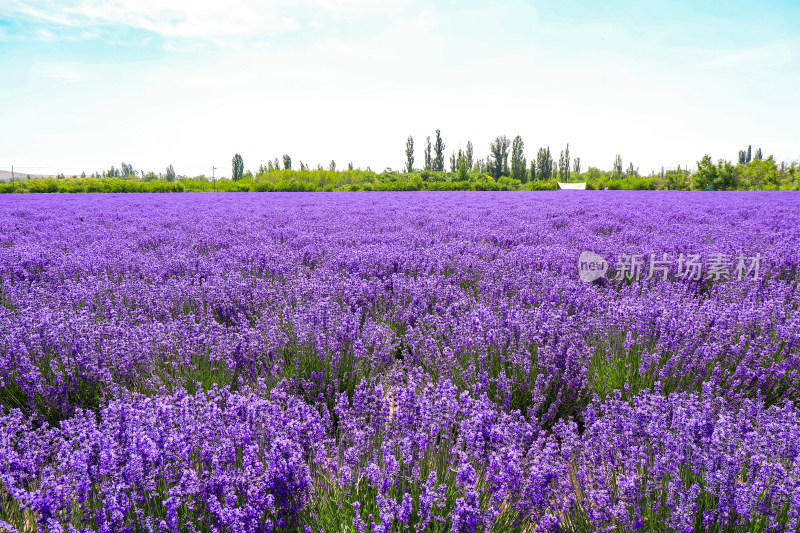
[(43, 34), (194, 19)]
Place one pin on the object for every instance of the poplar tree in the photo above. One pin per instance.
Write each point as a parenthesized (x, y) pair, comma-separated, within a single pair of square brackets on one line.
[(438, 147), (618, 167), (563, 164), (468, 155), (237, 167), (518, 163), (462, 166), (410, 154), (497, 162), (544, 162), (428, 160)]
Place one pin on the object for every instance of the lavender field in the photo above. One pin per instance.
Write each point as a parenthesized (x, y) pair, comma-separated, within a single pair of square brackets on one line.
[(399, 362)]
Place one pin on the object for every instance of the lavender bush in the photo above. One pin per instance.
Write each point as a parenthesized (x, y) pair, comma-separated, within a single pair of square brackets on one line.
[(395, 362)]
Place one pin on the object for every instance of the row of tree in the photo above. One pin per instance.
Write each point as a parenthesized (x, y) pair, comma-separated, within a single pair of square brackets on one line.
[(746, 156), (748, 173), (542, 168), (757, 174), (751, 172), (462, 162), (237, 167), (496, 164), (505, 163), (126, 171)]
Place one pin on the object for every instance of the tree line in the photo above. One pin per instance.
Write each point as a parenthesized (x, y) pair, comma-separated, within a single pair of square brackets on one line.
[(505, 167), (496, 163), (461, 163)]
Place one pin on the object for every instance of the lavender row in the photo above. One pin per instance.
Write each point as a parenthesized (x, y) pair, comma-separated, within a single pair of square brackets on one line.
[(422, 457)]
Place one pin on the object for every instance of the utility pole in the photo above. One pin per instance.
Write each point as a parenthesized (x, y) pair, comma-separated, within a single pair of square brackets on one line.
[(214, 178)]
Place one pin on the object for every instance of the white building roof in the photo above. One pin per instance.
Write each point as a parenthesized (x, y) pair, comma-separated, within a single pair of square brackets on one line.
[(572, 186)]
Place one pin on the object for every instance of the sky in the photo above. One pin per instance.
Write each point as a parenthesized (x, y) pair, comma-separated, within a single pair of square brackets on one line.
[(92, 83)]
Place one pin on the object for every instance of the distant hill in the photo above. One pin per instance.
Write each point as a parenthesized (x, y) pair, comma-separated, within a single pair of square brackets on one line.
[(5, 175)]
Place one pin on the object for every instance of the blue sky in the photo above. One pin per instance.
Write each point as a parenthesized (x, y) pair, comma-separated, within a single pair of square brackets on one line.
[(91, 83)]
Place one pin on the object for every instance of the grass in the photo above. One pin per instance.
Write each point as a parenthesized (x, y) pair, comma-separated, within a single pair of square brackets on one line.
[(615, 366), (333, 506)]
